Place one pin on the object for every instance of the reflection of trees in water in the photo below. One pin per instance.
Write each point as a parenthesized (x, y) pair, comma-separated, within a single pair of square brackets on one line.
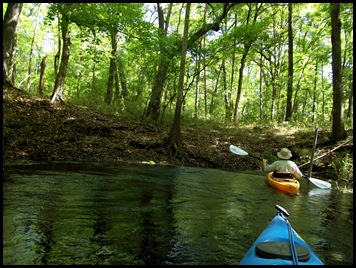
[(332, 211), (334, 221), (150, 219), (103, 223), (157, 227), (45, 229)]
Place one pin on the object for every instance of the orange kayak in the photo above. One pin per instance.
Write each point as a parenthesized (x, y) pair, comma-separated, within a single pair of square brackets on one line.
[(286, 185)]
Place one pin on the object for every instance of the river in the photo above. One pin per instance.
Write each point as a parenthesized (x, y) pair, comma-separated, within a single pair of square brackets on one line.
[(112, 213)]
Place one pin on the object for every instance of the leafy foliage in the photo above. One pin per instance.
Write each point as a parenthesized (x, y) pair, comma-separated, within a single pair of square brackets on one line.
[(141, 42)]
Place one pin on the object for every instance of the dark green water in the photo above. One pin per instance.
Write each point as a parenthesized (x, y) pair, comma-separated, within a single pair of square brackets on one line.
[(73, 213)]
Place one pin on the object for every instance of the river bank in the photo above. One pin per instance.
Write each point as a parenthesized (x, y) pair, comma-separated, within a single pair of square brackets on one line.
[(36, 130)]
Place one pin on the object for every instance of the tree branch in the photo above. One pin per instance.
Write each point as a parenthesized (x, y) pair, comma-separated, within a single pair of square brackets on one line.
[(211, 26)]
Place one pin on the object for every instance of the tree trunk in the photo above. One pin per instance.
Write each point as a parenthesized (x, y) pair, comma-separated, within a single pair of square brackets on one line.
[(58, 87), (154, 105), (247, 47), (42, 75), (227, 97), (289, 110), (109, 88), (58, 55), (9, 28), (123, 81), (205, 76), (323, 94), (338, 129), (350, 102), (274, 99), (212, 101), (239, 88), (29, 71), (175, 136), (79, 80), (229, 101), (314, 91), (112, 68), (117, 86), (197, 86), (153, 109), (94, 63), (12, 61), (260, 89)]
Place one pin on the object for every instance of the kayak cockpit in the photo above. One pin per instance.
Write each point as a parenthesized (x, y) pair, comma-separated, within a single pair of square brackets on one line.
[(281, 250)]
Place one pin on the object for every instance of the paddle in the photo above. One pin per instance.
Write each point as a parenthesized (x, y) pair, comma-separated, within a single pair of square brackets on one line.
[(320, 183)]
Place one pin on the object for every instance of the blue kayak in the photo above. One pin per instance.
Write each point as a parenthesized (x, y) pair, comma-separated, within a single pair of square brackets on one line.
[(280, 244)]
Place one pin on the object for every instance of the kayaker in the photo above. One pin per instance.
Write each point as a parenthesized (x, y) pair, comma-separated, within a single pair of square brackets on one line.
[(284, 167)]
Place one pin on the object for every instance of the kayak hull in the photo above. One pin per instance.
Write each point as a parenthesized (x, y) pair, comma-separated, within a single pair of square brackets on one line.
[(286, 185), (273, 247)]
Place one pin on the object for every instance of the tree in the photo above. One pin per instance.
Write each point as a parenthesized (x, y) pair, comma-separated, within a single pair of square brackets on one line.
[(253, 12), (9, 28), (113, 67), (42, 75), (61, 75), (174, 137), (270, 46), (153, 109), (338, 129), (228, 52), (29, 72), (289, 109)]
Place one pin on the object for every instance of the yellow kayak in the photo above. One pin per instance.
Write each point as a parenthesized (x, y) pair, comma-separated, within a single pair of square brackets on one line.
[(286, 185)]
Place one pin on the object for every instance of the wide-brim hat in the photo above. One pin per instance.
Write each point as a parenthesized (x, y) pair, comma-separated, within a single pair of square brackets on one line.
[(284, 153)]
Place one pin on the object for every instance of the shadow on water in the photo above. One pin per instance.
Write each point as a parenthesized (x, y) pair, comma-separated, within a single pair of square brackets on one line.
[(75, 213)]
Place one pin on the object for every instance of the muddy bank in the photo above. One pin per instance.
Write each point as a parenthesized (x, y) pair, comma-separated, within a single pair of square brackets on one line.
[(36, 130)]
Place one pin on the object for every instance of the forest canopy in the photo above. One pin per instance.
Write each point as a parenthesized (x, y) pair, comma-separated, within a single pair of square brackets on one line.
[(246, 63)]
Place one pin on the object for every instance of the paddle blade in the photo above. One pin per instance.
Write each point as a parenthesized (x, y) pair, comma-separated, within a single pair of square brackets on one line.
[(237, 150), (320, 183)]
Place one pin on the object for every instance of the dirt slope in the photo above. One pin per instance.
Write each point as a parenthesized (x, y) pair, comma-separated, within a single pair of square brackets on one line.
[(34, 129)]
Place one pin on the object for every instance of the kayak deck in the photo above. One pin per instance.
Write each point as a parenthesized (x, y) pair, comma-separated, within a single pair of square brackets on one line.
[(280, 244), (286, 185)]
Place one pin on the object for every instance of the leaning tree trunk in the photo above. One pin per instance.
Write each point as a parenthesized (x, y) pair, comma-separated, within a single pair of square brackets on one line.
[(58, 87), (154, 105), (9, 28), (175, 136)]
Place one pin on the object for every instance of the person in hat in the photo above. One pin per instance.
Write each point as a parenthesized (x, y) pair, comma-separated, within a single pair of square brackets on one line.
[(284, 167)]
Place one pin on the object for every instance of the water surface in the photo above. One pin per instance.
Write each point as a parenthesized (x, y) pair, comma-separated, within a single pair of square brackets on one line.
[(75, 213)]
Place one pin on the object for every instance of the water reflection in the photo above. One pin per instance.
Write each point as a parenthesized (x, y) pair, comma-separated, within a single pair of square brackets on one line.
[(68, 213), (156, 226), (45, 231), (318, 192)]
